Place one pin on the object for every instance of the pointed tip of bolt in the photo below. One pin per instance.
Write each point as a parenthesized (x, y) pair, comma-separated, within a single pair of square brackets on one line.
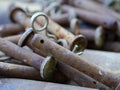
[(81, 41), (47, 68), (12, 12), (99, 36)]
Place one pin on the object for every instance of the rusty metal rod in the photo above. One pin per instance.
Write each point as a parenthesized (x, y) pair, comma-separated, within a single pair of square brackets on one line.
[(94, 18), (90, 5), (72, 73), (79, 77), (75, 75), (19, 71), (89, 33), (13, 38), (98, 35), (10, 29), (98, 73), (62, 19), (19, 16), (39, 62)]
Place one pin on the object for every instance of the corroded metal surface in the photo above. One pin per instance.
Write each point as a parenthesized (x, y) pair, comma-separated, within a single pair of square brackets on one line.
[(94, 7), (62, 19), (13, 38), (10, 29), (19, 71), (19, 16), (28, 57), (98, 73), (79, 77), (62, 33), (75, 75), (94, 18)]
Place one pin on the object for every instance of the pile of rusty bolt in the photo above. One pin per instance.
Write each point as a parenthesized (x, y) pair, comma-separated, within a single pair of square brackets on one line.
[(52, 44)]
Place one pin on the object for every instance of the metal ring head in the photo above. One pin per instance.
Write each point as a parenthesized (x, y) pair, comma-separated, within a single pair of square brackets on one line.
[(13, 11), (34, 17)]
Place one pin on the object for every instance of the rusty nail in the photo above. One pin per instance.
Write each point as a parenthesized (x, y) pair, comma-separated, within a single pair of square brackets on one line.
[(58, 77), (62, 19)]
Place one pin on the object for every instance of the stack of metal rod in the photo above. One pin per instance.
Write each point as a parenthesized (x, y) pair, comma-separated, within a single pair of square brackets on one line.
[(72, 42)]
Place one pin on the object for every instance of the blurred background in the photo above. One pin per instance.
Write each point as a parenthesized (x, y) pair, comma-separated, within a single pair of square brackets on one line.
[(107, 39)]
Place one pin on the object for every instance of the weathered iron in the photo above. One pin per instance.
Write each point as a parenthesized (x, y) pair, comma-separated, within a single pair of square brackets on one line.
[(93, 18), (19, 71), (45, 65), (10, 29), (62, 33), (106, 77), (13, 38), (72, 73), (94, 7), (18, 15), (98, 35), (79, 77)]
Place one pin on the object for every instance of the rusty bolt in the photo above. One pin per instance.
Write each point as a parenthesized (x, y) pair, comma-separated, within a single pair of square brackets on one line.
[(46, 66), (107, 77)]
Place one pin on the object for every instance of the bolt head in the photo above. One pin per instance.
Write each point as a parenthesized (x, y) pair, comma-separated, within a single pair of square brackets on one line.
[(81, 41)]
